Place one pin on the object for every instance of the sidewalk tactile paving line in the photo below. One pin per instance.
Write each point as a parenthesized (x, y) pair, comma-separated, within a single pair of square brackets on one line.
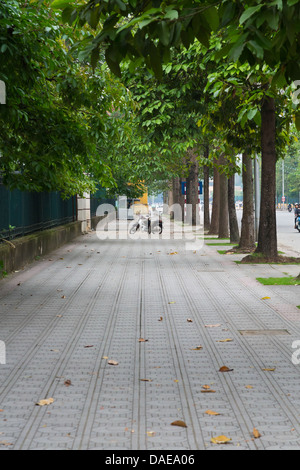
[(92, 301)]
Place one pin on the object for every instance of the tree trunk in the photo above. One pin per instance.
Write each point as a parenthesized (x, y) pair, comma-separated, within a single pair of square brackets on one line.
[(192, 197), (267, 234), (214, 225), (170, 202), (247, 240), (177, 201), (233, 223), (223, 217), (206, 192)]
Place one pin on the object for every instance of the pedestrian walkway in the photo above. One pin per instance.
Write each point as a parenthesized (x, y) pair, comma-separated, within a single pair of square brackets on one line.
[(122, 338)]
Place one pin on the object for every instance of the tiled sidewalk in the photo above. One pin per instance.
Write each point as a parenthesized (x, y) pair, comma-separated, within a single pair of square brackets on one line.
[(129, 336)]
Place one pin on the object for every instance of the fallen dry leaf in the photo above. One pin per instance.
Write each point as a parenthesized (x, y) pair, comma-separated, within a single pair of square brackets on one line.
[(212, 326), (179, 423), (256, 433), (172, 302), (270, 369), (225, 369), (111, 362), (198, 348), (264, 298), (150, 433), (249, 386), (206, 387), (142, 340), (212, 413), (207, 391), (5, 443), (189, 320), (67, 383), (46, 401), (173, 253), (220, 439), (145, 380), (227, 340), (160, 319)]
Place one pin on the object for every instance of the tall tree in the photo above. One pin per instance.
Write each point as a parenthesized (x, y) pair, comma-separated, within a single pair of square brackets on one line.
[(256, 32)]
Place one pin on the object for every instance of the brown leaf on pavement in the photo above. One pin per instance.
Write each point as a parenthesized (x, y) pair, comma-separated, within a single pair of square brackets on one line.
[(111, 362), (225, 369), (179, 423), (46, 401), (256, 433), (220, 439)]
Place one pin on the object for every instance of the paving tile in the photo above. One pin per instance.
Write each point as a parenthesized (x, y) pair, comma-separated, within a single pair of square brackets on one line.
[(96, 300)]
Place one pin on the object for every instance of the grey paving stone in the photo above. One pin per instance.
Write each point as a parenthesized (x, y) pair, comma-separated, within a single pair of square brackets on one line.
[(66, 316)]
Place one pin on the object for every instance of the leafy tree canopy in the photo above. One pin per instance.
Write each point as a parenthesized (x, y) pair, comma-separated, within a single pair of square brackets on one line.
[(61, 117)]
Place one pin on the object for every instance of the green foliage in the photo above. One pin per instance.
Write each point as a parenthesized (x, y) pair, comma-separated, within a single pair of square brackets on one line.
[(61, 118), (148, 30)]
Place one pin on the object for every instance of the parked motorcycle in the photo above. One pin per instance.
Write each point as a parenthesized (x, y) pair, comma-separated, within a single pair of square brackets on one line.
[(144, 224), (157, 226)]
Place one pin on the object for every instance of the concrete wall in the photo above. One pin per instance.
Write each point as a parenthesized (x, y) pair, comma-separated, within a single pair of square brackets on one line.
[(22, 251)]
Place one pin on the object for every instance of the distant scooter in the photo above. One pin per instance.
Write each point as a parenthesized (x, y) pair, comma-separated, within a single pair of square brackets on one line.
[(143, 224), (146, 225), (289, 208), (298, 223)]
